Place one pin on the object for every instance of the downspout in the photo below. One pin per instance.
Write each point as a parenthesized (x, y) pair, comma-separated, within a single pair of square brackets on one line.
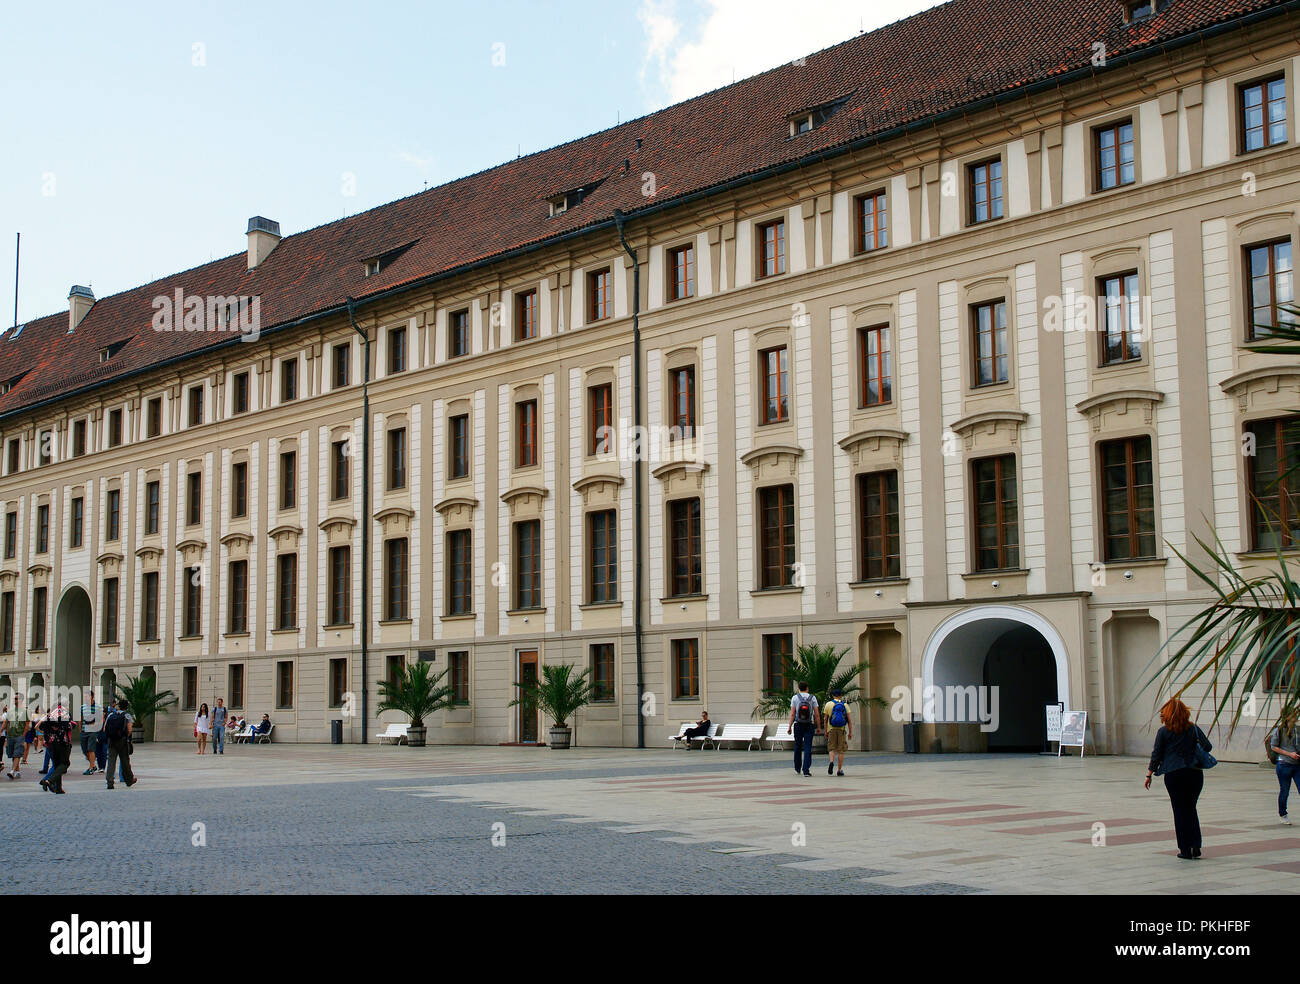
[(365, 525), (639, 507)]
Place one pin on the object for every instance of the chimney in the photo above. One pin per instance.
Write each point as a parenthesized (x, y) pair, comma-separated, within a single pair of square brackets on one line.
[(80, 301), (263, 236)]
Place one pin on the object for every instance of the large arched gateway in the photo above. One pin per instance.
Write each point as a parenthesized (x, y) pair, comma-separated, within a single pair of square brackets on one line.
[(993, 669), (73, 623)]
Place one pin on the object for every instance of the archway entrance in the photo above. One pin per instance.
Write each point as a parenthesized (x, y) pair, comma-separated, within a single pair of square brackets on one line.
[(993, 670), (72, 630)]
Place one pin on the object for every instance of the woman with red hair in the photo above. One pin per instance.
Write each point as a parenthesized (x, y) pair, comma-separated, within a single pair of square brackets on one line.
[(1175, 758)]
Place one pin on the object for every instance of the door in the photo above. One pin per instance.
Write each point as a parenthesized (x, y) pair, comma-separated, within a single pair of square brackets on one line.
[(528, 709)]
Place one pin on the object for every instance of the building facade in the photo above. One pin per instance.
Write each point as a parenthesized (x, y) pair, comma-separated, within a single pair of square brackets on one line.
[(951, 391)]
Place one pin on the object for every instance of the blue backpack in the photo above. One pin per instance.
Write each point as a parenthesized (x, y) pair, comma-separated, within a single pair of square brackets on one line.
[(839, 714)]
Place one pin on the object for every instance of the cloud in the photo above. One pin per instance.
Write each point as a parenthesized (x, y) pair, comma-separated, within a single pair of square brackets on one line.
[(733, 39), (420, 163)]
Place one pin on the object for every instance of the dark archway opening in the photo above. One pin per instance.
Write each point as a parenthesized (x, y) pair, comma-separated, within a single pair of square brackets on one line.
[(72, 631), (1020, 665)]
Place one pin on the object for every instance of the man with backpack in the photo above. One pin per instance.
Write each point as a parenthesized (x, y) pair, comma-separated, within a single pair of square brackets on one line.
[(837, 720), (804, 722), (117, 727), (57, 729)]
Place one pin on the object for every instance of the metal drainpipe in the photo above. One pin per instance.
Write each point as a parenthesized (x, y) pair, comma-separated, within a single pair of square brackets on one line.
[(639, 509), (365, 526)]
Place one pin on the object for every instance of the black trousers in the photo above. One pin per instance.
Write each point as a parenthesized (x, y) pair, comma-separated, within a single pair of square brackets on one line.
[(119, 755), (60, 756), (1184, 786)]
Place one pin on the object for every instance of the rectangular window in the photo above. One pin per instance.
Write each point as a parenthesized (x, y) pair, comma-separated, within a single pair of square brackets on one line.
[(460, 569), (872, 221), (526, 434), (600, 301), (235, 685), (193, 499), (602, 671), (288, 479), (11, 535), (683, 403), (992, 354), (78, 438), (284, 684), (193, 601), (1262, 109), (45, 448), (876, 367), (602, 553), (776, 535), (458, 452), (458, 334), (153, 418), (775, 368), (239, 490), (149, 607), (1270, 274), (1112, 149), (686, 669), (397, 458), (778, 652), (151, 503), (1273, 475), (338, 681), (7, 622), (237, 593), (601, 399), (342, 366), (340, 585), (196, 406), (525, 315), (339, 470), (43, 528), (189, 688), (685, 572), (458, 664), (878, 539), (528, 564), (396, 350), (113, 515), (109, 619), (1279, 672), (997, 528), (771, 248), (288, 380), (681, 272), (286, 595), (14, 452), (239, 398), (114, 428), (40, 606), (395, 666), (396, 580), (1121, 312), (77, 526), (1128, 499), (985, 182)]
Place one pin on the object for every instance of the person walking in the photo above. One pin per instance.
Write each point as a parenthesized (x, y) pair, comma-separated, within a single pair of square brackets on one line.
[(202, 722), (219, 716), (838, 719), (1283, 743), (89, 731), (1175, 757), (30, 736), (804, 722), (57, 729), (14, 728), (117, 726)]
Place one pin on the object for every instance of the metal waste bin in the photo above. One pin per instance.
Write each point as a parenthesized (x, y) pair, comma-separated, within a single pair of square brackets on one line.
[(336, 731), (911, 738)]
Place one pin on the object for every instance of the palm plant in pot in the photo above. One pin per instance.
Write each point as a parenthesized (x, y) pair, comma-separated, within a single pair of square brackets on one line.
[(144, 700), (560, 694), (416, 692), (819, 665)]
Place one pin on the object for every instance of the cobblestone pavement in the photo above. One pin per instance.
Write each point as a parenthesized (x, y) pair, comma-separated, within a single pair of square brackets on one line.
[(321, 819)]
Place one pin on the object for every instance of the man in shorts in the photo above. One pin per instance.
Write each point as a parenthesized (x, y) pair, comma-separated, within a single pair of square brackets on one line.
[(838, 722), (12, 728)]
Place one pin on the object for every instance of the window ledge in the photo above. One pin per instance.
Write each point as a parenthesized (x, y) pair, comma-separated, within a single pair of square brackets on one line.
[(395, 621), (147, 642), (785, 589), (879, 582), (235, 635), (461, 617), (289, 631), (597, 605), (527, 611), (674, 599), (1004, 572), (43, 649), (108, 645), (1137, 562), (337, 625), (1262, 554), (189, 638)]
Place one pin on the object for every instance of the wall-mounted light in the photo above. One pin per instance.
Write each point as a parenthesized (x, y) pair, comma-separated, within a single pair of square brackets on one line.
[(996, 584)]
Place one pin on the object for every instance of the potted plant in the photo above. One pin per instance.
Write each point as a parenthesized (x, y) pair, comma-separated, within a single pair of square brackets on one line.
[(143, 701), (416, 692), (818, 666), (560, 694)]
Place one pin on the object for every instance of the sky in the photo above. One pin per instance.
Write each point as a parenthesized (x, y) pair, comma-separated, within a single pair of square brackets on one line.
[(137, 139)]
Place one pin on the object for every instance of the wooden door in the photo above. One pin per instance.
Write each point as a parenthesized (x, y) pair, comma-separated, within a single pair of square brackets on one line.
[(528, 725)]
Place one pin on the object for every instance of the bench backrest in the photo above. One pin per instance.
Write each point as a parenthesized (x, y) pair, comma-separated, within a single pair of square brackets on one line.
[(784, 731), (685, 724), (745, 731)]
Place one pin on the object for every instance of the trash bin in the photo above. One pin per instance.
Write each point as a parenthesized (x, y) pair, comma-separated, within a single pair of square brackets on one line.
[(336, 731), (911, 738)]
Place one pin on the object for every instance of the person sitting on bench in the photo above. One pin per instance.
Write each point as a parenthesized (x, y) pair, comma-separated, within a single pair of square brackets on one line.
[(701, 729), (262, 728)]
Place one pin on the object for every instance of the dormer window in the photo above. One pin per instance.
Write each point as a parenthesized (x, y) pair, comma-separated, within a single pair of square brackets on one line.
[(372, 267), (384, 260), (1140, 10), (110, 350), (814, 116), (570, 199), (11, 382)]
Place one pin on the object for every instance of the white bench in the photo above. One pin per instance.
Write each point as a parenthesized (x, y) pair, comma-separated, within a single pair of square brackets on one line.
[(261, 737), (396, 734), (750, 734), (784, 734), (235, 737), (680, 738)]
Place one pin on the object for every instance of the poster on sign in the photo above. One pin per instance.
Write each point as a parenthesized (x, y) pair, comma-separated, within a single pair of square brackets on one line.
[(1054, 722), (1074, 728)]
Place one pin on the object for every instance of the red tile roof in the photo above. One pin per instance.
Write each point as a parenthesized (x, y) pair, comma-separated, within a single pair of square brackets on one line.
[(944, 58)]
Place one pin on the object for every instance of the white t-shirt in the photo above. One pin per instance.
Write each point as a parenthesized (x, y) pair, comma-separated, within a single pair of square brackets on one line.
[(799, 697), (201, 723)]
